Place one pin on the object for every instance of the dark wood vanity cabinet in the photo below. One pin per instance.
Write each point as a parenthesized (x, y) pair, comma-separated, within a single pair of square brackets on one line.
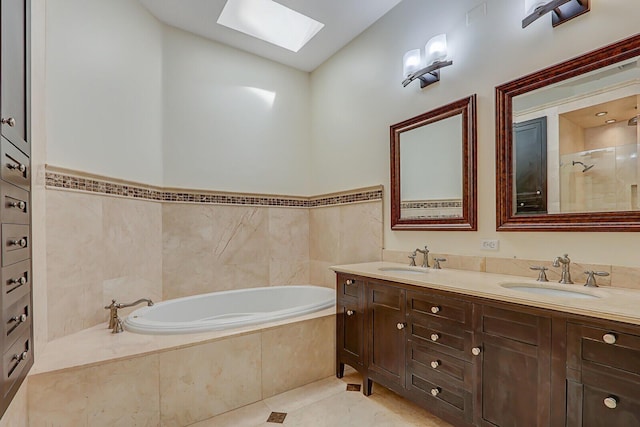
[(476, 362), (16, 340)]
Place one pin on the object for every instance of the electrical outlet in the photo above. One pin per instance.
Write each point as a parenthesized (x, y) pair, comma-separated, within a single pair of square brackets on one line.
[(489, 244)]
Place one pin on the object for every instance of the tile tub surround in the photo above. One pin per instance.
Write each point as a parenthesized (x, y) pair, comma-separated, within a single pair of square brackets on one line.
[(619, 277), (101, 379), (615, 304)]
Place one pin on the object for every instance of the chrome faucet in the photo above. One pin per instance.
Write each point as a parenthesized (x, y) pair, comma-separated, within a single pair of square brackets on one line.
[(425, 256), (115, 323), (565, 275)]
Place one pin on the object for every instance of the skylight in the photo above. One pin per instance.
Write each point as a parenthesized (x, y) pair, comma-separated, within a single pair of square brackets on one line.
[(270, 21)]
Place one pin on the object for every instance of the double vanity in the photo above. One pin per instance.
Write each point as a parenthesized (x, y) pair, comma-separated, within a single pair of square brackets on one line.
[(482, 349)]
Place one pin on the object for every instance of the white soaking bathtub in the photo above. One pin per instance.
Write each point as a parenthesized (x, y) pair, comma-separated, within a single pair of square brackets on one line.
[(229, 309)]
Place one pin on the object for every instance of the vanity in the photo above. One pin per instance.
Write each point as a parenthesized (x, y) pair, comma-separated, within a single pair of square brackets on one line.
[(482, 349)]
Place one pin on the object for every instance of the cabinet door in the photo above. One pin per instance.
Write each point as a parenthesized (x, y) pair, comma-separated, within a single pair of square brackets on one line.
[(386, 334), (513, 382), (350, 333), (531, 165), (13, 73)]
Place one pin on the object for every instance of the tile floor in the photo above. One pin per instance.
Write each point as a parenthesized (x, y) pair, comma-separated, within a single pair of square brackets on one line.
[(327, 403)]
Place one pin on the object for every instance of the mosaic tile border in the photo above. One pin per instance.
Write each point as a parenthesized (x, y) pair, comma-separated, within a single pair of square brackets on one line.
[(138, 191), (431, 204)]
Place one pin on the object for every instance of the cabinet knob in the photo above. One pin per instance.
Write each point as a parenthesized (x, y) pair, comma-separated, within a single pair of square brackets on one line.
[(435, 309), (22, 242), (10, 121), (19, 281), (20, 357), (18, 166), (609, 338), (611, 402), (435, 391), (20, 319), (401, 325), (20, 205), (350, 312), (435, 364), (476, 351), (435, 337), (350, 281)]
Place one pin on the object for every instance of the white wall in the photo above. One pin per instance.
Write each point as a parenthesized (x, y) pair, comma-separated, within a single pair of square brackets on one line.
[(233, 121), (104, 93), (356, 95)]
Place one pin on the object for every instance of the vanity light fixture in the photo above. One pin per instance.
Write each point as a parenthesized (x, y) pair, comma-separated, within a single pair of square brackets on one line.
[(633, 121), (427, 70), (601, 113), (562, 10), (610, 121)]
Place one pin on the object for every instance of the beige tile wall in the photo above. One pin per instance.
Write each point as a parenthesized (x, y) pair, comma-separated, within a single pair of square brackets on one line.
[(17, 414)]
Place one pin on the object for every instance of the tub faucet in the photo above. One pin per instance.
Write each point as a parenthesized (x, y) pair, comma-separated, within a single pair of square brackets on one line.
[(115, 323), (565, 275), (425, 256)]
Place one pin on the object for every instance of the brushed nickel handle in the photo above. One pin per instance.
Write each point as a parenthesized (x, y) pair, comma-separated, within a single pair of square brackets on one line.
[(20, 357), (609, 338), (435, 337), (401, 325), (476, 351), (611, 402), (20, 205), (435, 391), (350, 312), (435, 309), (18, 166), (20, 281), (10, 121), (22, 242), (20, 319), (435, 364), (350, 282)]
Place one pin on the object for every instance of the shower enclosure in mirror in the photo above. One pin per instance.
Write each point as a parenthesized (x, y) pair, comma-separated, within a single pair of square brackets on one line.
[(433, 169), (568, 142)]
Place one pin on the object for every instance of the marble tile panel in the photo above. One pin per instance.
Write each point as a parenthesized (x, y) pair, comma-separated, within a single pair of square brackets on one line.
[(58, 399), (288, 272), (297, 354), (360, 232), (17, 413), (75, 244), (460, 262), (124, 393), (199, 382), (321, 275), (69, 310), (288, 234), (247, 416), (240, 276), (240, 235), (324, 234), (625, 277)]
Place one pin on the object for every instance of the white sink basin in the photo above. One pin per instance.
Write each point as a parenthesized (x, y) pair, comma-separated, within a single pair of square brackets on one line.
[(414, 270), (547, 290)]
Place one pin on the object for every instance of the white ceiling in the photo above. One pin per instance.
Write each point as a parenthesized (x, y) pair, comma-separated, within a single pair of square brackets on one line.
[(343, 19)]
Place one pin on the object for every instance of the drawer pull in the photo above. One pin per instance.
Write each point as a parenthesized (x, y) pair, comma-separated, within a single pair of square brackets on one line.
[(609, 338), (435, 364), (350, 312), (20, 205), (401, 326), (10, 121), (476, 351), (435, 309), (19, 166), (611, 402), (435, 391), (20, 357), (435, 337), (350, 282), (19, 281), (22, 242), (20, 319)]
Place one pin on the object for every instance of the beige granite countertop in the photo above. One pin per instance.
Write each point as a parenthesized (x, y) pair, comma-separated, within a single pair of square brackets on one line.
[(617, 304)]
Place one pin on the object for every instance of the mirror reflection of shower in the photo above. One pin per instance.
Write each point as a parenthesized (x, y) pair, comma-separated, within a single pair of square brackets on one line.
[(584, 167)]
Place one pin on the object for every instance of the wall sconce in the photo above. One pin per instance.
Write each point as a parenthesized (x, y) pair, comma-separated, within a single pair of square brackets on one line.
[(563, 10), (427, 70)]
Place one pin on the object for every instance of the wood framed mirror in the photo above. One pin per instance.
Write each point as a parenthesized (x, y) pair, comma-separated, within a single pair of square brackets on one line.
[(568, 142), (433, 169)]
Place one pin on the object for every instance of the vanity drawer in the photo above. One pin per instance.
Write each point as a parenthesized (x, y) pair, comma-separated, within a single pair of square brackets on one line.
[(16, 282), (16, 243), (422, 358), (14, 207), (17, 320), (592, 345), (15, 167), (441, 336), (15, 363), (349, 287), (439, 307)]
